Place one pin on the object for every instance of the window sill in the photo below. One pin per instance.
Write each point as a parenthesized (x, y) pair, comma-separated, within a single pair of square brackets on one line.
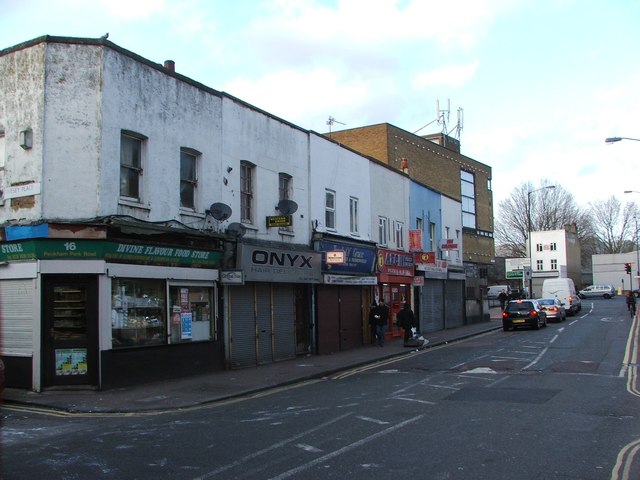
[(133, 204)]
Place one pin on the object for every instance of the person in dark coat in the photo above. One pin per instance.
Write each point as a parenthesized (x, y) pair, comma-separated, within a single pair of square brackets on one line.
[(406, 320), (502, 296), (379, 317)]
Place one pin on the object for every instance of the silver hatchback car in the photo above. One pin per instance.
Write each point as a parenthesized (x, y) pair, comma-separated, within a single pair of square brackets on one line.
[(605, 291), (554, 309)]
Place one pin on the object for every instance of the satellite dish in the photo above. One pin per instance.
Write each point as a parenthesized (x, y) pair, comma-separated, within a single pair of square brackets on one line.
[(287, 207), (236, 229), (219, 211)]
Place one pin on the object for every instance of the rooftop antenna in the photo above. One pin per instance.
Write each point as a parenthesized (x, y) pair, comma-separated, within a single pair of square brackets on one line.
[(460, 125), (442, 116), (331, 121)]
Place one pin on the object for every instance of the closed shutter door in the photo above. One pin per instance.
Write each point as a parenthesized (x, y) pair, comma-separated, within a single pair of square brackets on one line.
[(263, 318), (17, 298), (433, 305), (242, 327), (328, 319), (455, 303), (350, 317), (284, 322)]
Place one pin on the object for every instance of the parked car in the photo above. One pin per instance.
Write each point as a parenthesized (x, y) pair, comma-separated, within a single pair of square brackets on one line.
[(554, 309), (523, 313), (606, 291)]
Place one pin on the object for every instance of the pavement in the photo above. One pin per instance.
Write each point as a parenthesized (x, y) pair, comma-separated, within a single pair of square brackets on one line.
[(227, 385)]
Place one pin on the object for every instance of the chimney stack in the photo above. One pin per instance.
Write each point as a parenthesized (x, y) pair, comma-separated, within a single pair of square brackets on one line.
[(170, 65)]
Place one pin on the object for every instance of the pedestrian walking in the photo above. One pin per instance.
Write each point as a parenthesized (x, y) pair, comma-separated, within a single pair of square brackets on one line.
[(502, 297), (373, 322), (379, 318), (407, 320), (631, 303)]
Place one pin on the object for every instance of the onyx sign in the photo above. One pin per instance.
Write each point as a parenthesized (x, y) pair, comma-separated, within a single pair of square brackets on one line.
[(269, 264)]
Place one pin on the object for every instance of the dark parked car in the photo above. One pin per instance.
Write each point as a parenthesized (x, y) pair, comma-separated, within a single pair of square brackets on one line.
[(554, 309), (523, 313)]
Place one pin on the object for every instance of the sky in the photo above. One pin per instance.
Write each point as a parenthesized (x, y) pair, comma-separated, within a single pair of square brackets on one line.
[(540, 83)]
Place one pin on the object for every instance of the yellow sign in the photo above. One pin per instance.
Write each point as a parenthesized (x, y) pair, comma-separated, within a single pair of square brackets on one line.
[(279, 221)]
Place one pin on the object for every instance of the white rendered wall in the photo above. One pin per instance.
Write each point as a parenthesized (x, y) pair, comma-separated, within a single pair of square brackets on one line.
[(390, 198), (452, 218), (274, 147), (347, 174), (22, 106)]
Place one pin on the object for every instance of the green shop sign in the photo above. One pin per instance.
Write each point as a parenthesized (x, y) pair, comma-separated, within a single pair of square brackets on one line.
[(110, 251)]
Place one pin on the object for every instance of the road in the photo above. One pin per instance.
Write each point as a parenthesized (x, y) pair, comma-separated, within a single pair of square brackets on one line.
[(555, 403)]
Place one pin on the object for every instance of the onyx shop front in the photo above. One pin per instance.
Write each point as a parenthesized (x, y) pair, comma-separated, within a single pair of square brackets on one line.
[(110, 313)]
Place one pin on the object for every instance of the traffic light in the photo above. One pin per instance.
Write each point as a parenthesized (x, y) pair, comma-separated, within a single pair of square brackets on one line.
[(627, 267)]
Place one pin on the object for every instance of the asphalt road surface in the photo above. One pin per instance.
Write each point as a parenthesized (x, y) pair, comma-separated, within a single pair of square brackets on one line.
[(561, 402)]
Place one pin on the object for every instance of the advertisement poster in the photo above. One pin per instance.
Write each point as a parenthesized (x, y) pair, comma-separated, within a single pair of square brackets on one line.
[(71, 361), (186, 320)]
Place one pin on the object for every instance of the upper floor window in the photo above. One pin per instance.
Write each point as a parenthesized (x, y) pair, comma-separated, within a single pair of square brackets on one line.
[(539, 265), (131, 165), (383, 231), (468, 193), (188, 178), (284, 186), (553, 246), (247, 171), (353, 215), (330, 209), (539, 247), (554, 264), (399, 234), (432, 237)]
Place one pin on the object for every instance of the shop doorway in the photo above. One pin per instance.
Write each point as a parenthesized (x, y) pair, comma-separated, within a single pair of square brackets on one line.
[(70, 330)]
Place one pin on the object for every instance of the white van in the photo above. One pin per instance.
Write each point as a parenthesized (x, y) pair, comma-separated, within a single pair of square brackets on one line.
[(494, 290), (564, 290)]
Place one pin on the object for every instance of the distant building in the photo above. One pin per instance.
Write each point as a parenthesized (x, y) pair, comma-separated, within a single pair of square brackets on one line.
[(609, 269), (555, 254)]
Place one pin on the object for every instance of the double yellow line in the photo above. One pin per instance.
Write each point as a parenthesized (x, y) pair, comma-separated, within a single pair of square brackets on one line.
[(628, 455)]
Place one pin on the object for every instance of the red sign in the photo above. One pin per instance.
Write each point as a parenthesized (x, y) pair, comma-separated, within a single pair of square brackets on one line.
[(449, 245), (415, 240), (395, 263), (424, 258)]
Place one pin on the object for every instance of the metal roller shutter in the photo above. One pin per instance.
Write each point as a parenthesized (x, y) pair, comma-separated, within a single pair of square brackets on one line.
[(17, 314), (263, 319), (455, 303), (242, 327), (432, 305), (284, 322)]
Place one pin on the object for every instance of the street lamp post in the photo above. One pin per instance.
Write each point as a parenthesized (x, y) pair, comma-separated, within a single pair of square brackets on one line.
[(637, 246), (529, 228)]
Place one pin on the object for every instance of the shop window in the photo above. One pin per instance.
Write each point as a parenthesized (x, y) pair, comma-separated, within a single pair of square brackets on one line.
[(191, 311), (137, 312)]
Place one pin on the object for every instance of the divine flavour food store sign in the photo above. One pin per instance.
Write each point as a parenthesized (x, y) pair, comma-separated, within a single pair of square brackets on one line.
[(110, 251)]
